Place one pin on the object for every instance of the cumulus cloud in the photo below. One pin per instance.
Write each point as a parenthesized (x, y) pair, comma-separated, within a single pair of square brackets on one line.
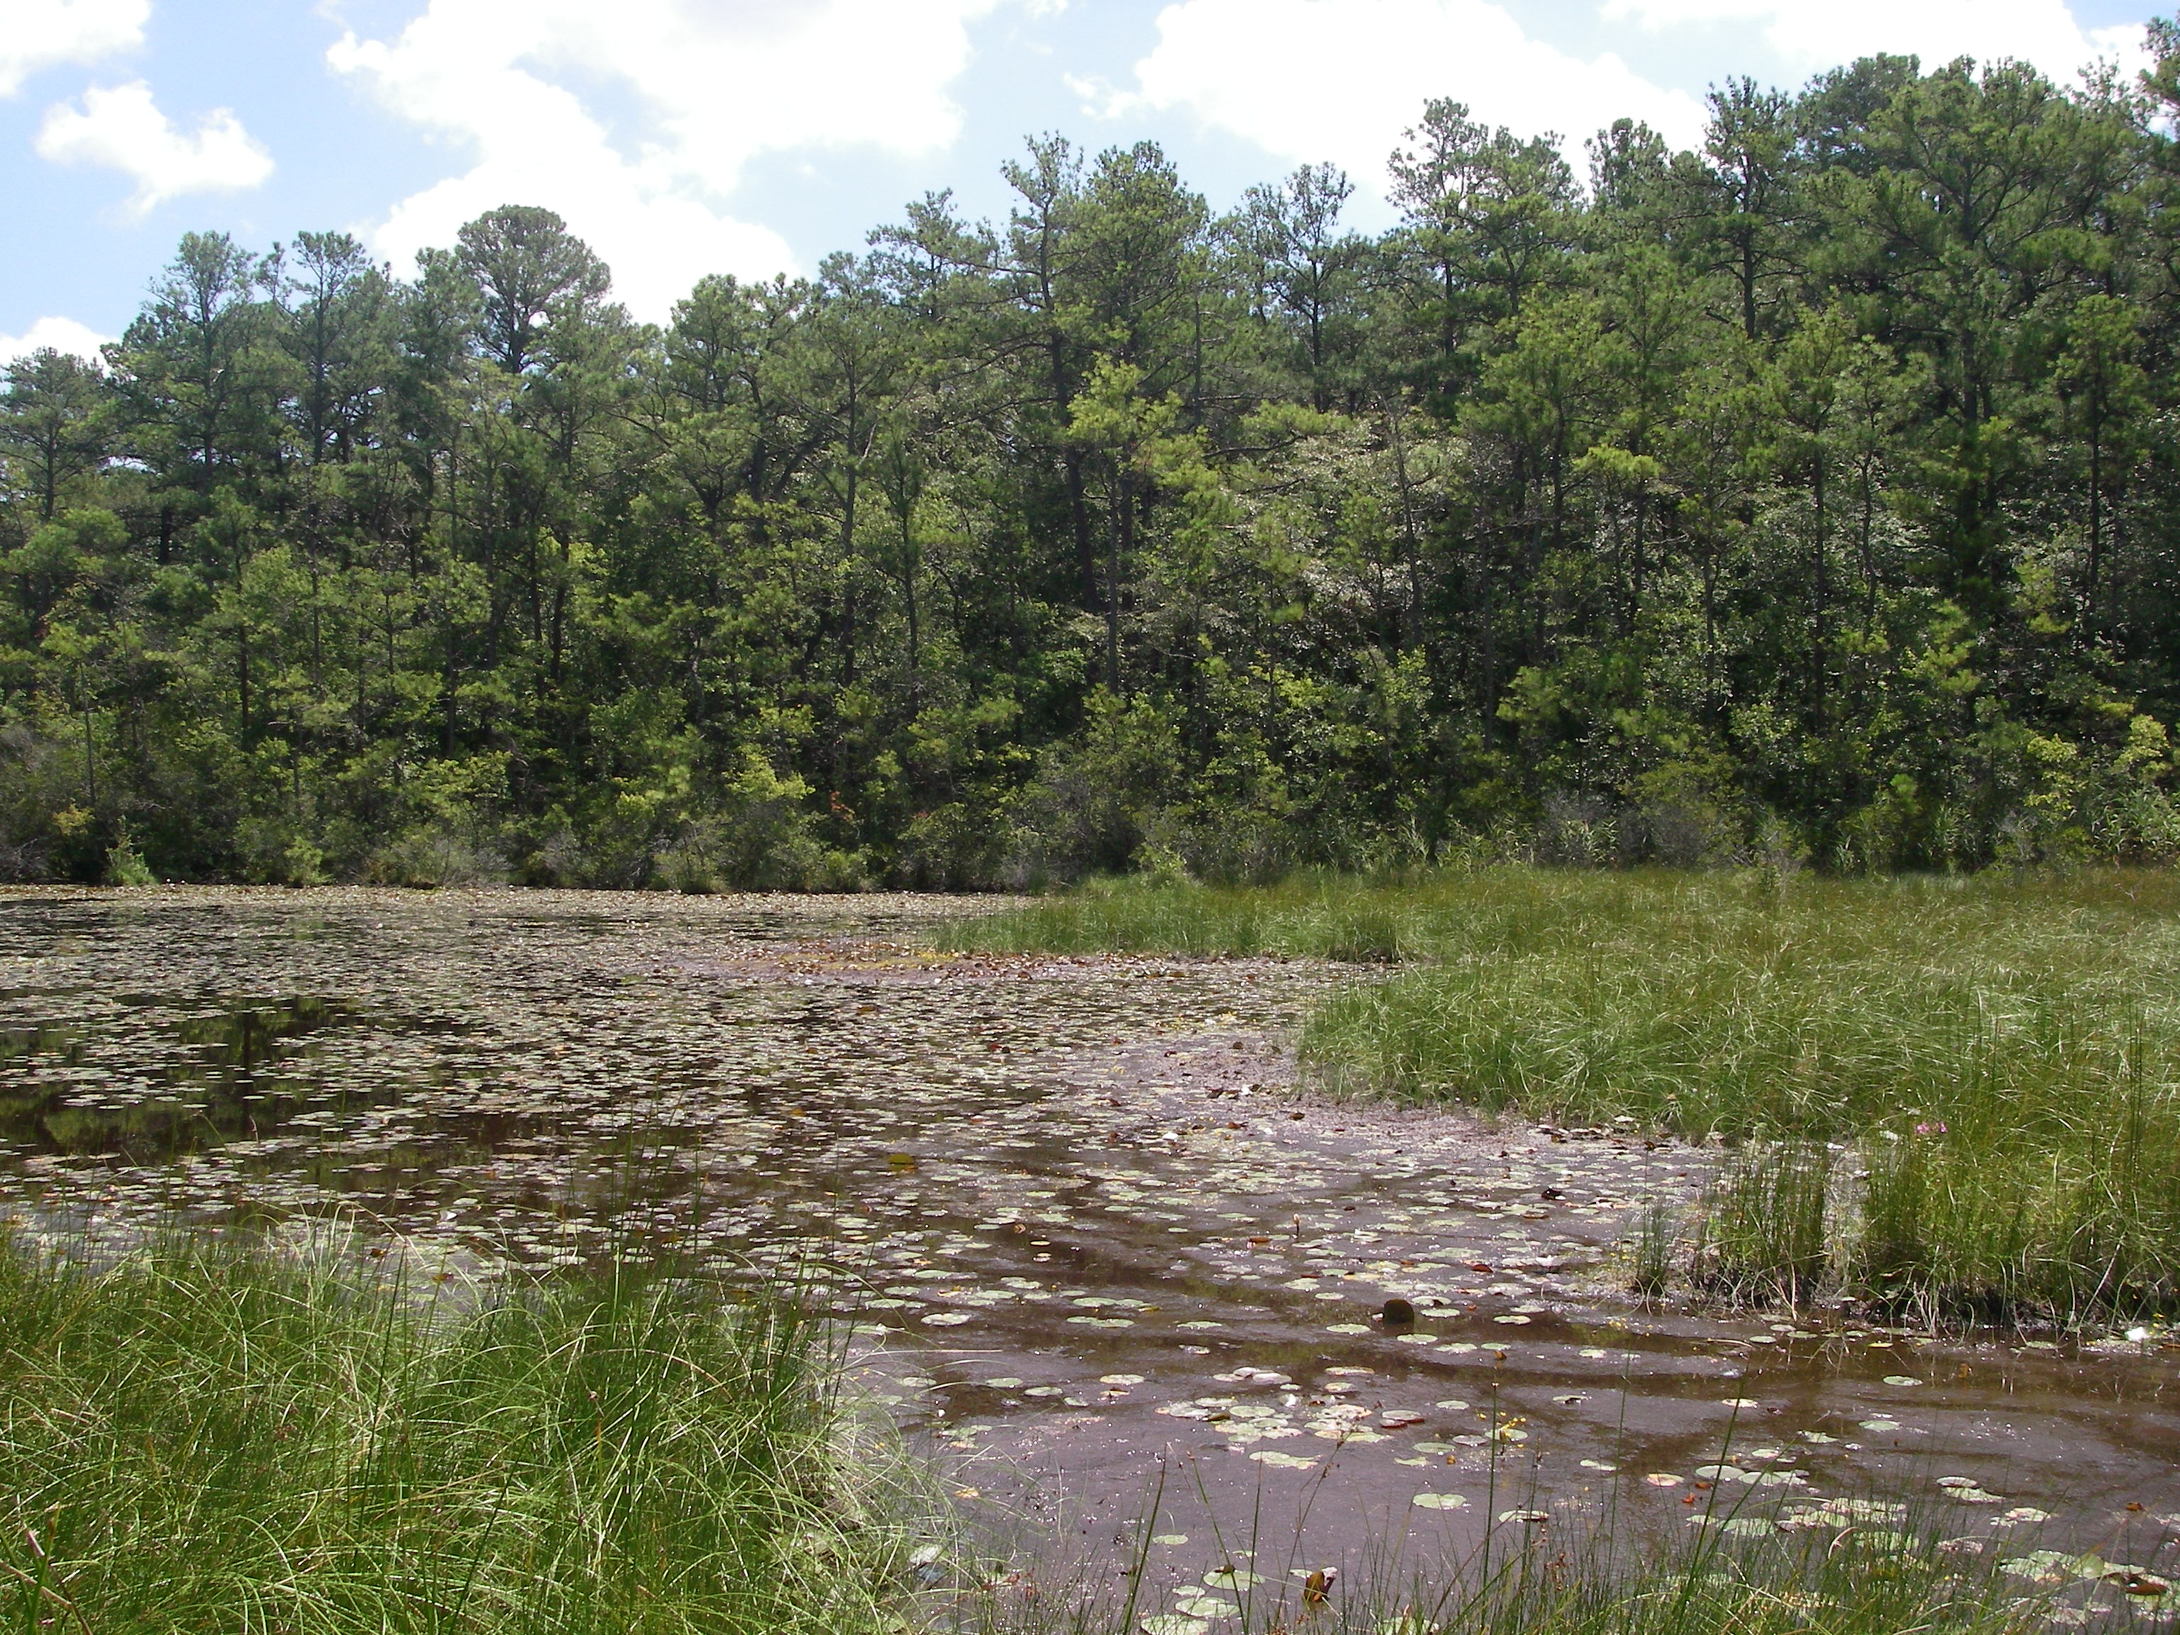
[(61, 334), (122, 127), (43, 33), (1341, 79), (1814, 37), (697, 89)]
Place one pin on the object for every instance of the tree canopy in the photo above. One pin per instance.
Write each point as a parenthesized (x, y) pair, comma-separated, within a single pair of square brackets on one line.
[(1809, 494)]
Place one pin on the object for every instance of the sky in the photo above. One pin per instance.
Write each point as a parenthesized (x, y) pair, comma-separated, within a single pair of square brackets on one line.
[(686, 137)]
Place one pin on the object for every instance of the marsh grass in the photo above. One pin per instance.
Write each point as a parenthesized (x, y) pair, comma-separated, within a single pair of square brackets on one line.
[(1738, 1566), (206, 1436), (1654, 1248), (1752, 1550), (1968, 1087), (1762, 1582), (210, 1436), (1764, 1226)]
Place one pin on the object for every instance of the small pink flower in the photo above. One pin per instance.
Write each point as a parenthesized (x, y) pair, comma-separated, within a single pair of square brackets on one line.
[(1935, 1126)]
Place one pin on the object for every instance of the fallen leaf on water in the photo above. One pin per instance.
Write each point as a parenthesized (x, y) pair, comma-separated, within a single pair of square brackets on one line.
[(2136, 1582)]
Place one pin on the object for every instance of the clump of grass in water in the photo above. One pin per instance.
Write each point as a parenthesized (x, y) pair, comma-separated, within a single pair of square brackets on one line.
[(1765, 1224), (1758, 1582), (2001, 1054), (1653, 1248), (210, 1436), (1792, 1567)]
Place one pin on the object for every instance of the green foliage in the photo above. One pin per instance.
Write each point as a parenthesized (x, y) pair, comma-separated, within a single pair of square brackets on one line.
[(214, 1437), (125, 865), (1949, 1094), (1805, 494), (294, 1436)]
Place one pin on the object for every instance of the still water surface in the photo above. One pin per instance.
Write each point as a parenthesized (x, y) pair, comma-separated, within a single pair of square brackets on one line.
[(1093, 1241)]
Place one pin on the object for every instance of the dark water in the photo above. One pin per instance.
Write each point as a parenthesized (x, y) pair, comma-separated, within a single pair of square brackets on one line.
[(1092, 1243)]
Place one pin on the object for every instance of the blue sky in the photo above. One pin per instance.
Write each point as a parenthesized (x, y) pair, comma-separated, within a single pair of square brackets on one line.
[(752, 136)]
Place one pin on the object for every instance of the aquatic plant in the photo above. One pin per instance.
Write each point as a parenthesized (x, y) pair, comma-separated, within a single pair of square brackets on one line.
[(1746, 1556), (1998, 1058)]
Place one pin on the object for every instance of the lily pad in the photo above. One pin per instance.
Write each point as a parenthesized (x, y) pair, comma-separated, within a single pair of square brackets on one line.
[(1232, 1578)]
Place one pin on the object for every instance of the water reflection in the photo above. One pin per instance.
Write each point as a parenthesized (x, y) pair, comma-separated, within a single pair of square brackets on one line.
[(1073, 1196), (205, 1078)]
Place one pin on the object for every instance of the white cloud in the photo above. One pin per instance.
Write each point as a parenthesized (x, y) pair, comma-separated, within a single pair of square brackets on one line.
[(1818, 36), (37, 34), (713, 86), (121, 127), (1342, 79), (61, 334)]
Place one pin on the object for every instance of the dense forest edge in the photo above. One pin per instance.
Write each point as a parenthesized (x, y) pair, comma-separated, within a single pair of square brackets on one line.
[(1812, 496)]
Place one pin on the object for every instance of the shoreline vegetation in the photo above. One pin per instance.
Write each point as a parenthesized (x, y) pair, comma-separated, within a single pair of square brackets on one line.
[(1954, 1098), (299, 1431), (309, 1439), (294, 1436)]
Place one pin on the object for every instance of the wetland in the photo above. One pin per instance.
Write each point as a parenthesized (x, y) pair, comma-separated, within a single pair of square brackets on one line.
[(1087, 1232)]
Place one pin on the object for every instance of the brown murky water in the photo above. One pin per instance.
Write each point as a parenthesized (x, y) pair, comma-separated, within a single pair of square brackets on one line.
[(1095, 1243)]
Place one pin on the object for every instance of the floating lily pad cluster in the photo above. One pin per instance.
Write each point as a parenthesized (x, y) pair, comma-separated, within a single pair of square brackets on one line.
[(1074, 1210)]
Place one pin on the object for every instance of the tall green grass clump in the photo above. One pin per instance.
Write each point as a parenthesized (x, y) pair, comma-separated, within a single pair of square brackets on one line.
[(1985, 1070), (1739, 1565), (215, 1437), (1960, 1095), (1745, 1575)]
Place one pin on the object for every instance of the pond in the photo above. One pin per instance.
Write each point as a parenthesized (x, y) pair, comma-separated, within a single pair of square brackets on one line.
[(1094, 1243)]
